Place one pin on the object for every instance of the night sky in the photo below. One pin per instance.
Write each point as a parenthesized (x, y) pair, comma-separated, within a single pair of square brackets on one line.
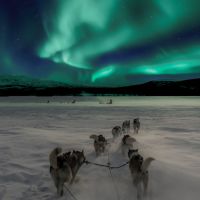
[(100, 42)]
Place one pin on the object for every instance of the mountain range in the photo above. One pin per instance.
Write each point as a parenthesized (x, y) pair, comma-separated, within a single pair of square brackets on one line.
[(25, 86)]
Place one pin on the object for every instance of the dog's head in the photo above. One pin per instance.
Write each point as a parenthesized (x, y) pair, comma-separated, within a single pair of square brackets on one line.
[(138, 158), (132, 152), (57, 150), (80, 156), (135, 158), (136, 120), (63, 159), (67, 155), (94, 137), (124, 138), (101, 138)]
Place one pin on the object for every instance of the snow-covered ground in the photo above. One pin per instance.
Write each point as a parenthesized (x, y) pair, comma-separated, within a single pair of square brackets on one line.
[(30, 128)]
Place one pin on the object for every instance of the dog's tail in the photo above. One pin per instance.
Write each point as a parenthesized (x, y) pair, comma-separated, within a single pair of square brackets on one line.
[(147, 163), (53, 157), (95, 137)]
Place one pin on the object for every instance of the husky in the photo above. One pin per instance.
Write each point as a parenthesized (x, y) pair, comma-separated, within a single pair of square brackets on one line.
[(136, 125), (139, 171), (100, 143), (116, 131), (126, 144), (64, 167), (126, 127)]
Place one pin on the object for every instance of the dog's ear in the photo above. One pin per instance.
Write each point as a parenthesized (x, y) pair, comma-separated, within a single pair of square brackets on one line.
[(58, 150)]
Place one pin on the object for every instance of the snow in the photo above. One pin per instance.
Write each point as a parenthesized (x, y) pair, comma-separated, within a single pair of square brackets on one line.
[(30, 128)]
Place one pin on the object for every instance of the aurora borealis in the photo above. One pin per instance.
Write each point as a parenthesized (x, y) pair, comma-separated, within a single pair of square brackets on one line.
[(100, 42)]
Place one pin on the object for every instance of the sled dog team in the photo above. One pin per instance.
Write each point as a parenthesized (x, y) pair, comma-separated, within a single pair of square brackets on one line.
[(126, 126), (64, 166)]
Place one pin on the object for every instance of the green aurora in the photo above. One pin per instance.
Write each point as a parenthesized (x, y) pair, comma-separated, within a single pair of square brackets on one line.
[(105, 42)]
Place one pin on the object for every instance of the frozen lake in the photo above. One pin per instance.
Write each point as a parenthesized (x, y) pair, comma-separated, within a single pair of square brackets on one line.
[(30, 128)]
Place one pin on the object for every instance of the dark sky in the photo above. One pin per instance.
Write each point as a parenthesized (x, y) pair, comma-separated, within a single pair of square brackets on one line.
[(101, 43)]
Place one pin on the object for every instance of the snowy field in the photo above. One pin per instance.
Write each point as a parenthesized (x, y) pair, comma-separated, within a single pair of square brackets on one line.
[(30, 128)]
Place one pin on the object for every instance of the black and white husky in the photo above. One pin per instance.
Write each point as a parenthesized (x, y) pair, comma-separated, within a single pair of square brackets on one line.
[(116, 132), (100, 143), (126, 125), (139, 171), (127, 143), (136, 125), (64, 167)]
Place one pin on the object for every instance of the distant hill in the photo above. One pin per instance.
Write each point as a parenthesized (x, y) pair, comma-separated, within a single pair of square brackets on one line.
[(23, 81), (24, 86)]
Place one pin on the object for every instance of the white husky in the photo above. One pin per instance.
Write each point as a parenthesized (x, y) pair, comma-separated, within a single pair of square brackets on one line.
[(139, 171), (126, 126), (100, 143), (136, 125), (116, 132)]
